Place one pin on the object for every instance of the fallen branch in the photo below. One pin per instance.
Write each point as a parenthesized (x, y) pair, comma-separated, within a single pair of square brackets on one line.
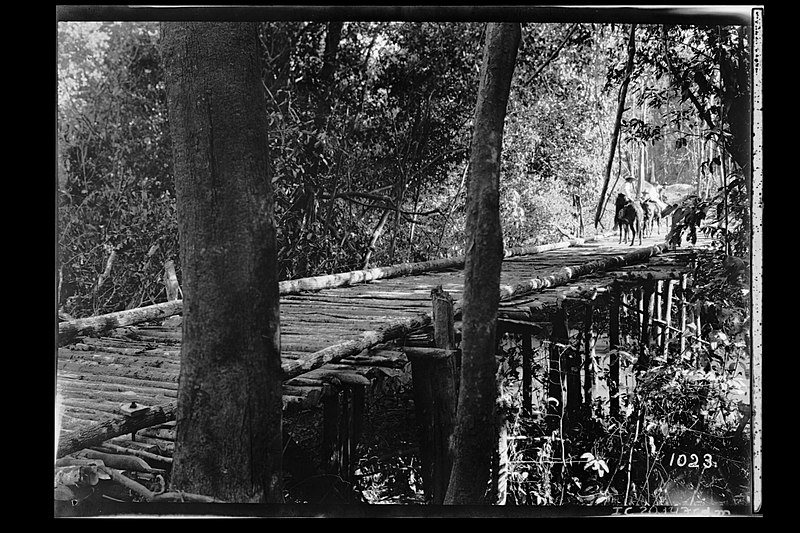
[(152, 497)]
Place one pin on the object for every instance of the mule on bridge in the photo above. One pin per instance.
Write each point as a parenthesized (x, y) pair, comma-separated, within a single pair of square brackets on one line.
[(651, 215), (628, 216)]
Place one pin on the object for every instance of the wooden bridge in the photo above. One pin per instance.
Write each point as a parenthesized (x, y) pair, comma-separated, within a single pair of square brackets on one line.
[(117, 382)]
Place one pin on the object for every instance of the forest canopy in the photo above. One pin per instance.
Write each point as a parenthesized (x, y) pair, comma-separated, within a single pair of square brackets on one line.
[(369, 125)]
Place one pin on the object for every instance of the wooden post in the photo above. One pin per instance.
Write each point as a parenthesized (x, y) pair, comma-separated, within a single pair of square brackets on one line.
[(435, 397), (613, 340), (682, 314), (658, 298), (648, 290), (500, 464), (444, 335), (556, 384), (639, 302), (527, 378), (588, 358), (330, 427), (667, 318), (342, 411), (572, 380)]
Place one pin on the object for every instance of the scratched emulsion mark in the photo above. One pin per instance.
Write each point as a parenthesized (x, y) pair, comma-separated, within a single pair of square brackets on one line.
[(756, 251)]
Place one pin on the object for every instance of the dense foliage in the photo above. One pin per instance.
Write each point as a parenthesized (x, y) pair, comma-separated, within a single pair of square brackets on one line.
[(369, 133), (370, 125)]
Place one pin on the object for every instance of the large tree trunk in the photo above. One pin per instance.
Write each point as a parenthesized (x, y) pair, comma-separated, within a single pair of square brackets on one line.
[(473, 442), (623, 92), (228, 439)]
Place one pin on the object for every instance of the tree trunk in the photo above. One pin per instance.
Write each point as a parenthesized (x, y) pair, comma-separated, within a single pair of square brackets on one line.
[(228, 436), (473, 443), (623, 92)]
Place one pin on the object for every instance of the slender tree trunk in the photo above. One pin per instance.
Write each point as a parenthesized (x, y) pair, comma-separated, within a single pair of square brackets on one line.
[(623, 92), (228, 437), (473, 443)]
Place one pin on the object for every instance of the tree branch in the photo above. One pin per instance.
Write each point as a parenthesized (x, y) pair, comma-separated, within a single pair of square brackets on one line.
[(552, 55)]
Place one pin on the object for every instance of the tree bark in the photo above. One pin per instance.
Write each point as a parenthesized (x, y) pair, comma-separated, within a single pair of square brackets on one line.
[(228, 433), (623, 92), (473, 444)]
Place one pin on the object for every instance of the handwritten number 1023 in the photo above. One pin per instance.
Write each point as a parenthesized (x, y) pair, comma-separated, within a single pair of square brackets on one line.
[(691, 460)]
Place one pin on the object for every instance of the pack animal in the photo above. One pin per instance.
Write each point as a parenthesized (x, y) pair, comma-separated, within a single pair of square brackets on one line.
[(651, 215), (629, 218)]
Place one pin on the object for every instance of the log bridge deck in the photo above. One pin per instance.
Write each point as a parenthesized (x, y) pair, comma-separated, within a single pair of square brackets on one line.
[(356, 329)]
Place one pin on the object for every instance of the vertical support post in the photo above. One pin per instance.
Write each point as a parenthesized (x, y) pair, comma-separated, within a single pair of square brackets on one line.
[(330, 428), (613, 340), (648, 290), (556, 384), (527, 377), (444, 335), (500, 466), (572, 381), (342, 411), (658, 298), (434, 378), (588, 358), (665, 334), (682, 314), (639, 295)]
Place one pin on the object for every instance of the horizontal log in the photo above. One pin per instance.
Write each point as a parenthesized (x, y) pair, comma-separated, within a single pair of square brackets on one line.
[(567, 274), (108, 429), (304, 381), (431, 353), (71, 329), (509, 325), (366, 340), (345, 378), (648, 274), (110, 447)]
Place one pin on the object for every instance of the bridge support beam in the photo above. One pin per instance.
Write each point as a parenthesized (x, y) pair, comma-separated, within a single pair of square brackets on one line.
[(435, 381), (343, 409)]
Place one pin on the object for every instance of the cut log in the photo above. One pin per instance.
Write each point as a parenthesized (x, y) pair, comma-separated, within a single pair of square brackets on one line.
[(344, 349), (103, 431), (566, 274), (296, 286), (151, 457), (69, 330)]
